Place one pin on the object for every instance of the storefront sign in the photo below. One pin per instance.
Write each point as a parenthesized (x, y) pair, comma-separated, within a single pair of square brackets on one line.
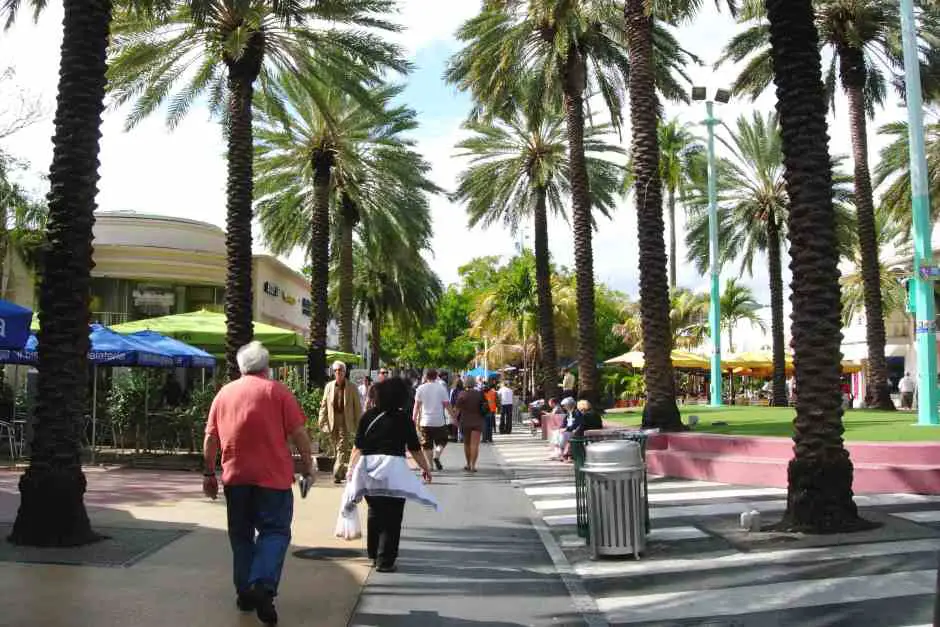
[(271, 289)]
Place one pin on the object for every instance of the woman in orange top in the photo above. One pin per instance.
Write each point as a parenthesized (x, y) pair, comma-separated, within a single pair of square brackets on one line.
[(489, 394)]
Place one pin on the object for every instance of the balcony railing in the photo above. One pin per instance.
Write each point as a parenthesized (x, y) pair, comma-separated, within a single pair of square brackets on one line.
[(109, 318)]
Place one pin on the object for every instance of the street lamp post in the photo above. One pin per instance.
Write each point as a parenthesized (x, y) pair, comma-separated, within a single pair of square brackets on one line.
[(714, 309), (924, 269)]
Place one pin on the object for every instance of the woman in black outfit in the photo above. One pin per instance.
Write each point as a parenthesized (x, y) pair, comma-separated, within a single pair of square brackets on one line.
[(387, 429)]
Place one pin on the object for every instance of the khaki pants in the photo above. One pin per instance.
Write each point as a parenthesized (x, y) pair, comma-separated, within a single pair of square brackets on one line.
[(342, 446)]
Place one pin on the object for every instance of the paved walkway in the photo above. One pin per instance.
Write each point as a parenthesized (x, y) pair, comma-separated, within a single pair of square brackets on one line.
[(699, 570), (479, 562)]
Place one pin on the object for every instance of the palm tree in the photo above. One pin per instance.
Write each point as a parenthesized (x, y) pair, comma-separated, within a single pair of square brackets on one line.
[(893, 240), (752, 216), (222, 47), (820, 474), (52, 509), (738, 305), (571, 48), (519, 169), (688, 320), (679, 148), (893, 172), (325, 146), (863, 40), (393, 285)]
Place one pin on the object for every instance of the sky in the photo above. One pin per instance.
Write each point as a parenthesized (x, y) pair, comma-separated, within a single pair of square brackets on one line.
[(182, 172)]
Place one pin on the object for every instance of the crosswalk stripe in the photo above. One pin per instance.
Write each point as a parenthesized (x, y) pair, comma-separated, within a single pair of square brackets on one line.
[(722, 560), (921, 517), (551, 504), (560, 520), (673, 606)]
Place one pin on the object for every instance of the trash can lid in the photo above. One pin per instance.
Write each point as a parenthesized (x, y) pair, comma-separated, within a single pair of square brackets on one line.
[(614, 455)]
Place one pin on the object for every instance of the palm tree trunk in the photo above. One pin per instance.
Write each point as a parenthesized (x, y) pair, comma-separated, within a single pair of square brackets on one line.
[(778, 346), (583, 227), (346, 275), (319, 272), (820, 474), (52, 509), (671, 203), (239, 188), (853, 73), (543, 287), (661, 410)]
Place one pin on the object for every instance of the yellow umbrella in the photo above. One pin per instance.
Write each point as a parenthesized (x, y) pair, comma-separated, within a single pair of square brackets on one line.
[(680, 359)]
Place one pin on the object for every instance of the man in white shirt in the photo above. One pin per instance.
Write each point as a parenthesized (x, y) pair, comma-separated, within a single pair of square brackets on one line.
[(505, 408), (430, 413), (906, 388)]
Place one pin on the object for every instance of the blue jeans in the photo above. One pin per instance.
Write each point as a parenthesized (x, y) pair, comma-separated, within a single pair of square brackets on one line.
[(258, 560), (489, 422)]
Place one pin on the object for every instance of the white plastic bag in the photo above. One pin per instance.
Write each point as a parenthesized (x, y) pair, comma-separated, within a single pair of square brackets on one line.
[(347, 525)]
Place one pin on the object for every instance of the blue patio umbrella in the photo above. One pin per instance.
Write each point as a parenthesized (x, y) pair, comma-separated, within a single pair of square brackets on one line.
[(184, 355), (108, 348), (14, 325), (480, 371)]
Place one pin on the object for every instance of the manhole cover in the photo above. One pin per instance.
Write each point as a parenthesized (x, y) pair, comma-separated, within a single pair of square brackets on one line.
[(328, 553)]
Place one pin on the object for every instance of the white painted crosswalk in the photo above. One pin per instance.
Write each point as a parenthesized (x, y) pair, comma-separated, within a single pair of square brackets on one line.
[(695, 575)]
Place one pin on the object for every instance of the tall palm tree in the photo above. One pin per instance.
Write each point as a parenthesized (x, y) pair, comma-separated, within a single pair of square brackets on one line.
[(820, 474), (393, 285), (519, 170), (688, 320), (863, 39), (573, 48), (752, 216), (893, 172), (738, 305), (52, 509), (315, 145), (222, 47), (679, 148)]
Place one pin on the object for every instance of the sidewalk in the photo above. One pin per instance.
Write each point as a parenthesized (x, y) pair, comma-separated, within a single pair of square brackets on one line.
[(700, 569), (477, 563), (184, 581)]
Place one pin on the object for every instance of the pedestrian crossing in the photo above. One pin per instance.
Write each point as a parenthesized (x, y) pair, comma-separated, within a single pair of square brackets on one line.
[(696, 571)]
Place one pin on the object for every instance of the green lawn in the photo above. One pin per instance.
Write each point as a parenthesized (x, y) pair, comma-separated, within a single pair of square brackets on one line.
[(860, 424)]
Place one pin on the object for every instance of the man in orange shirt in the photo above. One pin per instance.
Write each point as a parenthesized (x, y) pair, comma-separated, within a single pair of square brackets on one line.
[(251, 420), (489, 394)]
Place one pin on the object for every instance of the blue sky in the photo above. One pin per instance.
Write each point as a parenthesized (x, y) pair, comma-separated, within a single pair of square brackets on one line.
[(183, 173)]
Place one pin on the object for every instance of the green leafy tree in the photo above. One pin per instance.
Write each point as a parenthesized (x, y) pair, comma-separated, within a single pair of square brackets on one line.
[(688, 320), (738, 305), (220, 49), (819, 497), (570, 49), (376, 181), (862, 39), (518, 171)]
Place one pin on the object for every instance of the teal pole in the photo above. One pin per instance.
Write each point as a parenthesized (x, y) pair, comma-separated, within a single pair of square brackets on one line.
[(923, 278), (714, 310)]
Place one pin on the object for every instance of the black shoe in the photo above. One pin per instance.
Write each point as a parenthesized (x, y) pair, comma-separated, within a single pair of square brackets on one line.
[(245, 602), (338, 481), (391, 568), (437, 464), (264, 606)]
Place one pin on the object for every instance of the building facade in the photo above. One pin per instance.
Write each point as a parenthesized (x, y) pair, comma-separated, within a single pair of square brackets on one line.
[(150, 265)]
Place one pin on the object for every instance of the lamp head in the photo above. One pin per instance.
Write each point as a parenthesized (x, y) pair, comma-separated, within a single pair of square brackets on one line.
[(722, 96), (699, 93)]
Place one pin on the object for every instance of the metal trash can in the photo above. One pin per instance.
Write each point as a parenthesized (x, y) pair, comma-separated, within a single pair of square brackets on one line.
[(633, 435), (616, 498)]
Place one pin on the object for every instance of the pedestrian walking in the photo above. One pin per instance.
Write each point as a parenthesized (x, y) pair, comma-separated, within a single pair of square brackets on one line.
[(492, 409), (471, 410), (431, 414), (379, 473), (906, 388), (505, 408), (364, 386), (340, 410), (251, 421), (454, 394)]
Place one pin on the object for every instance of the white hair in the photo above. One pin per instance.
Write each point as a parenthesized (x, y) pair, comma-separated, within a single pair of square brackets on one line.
[(338, 365), (252, 358)]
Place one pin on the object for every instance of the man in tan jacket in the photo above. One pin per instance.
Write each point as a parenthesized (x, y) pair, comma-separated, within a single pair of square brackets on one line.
[(340, 411)]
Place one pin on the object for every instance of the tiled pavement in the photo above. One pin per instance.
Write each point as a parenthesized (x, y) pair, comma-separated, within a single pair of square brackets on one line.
[(697, 571)]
